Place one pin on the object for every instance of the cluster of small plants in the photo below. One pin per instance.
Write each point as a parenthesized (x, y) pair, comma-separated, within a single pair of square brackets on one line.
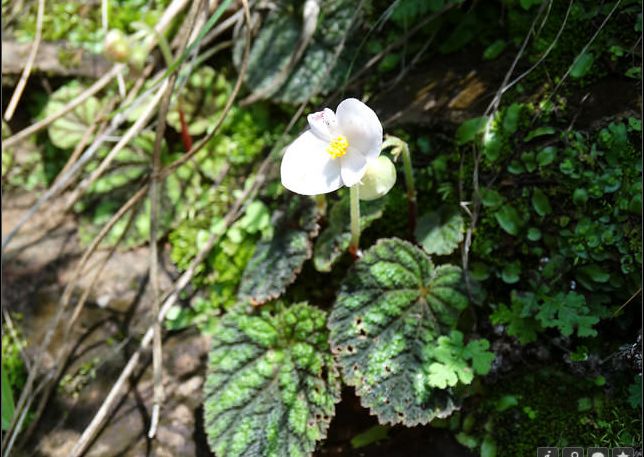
[(527, 235)]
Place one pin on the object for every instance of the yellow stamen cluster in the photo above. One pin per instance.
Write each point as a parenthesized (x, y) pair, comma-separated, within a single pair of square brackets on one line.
[(338, 147)]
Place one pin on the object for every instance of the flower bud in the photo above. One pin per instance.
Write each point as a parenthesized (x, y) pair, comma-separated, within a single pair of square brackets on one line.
[(117, 47), (138, 57), (379, 178)]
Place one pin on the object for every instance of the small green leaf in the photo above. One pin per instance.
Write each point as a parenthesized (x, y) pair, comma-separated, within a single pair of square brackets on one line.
[(271, 385), (511, 272), (506, 402), (595, 272), (534, 234), (508, 219), (392, 330), (540, 202), (469, 129), (580, 196), (541, 131), (634, 72), (491, 198), (546, 156), (582, 65), (511, 118), (277, 262), (466, 440), (635, 124), (440, 232), (488, 447), (494, 50), (8, 405), (584, 404), (370, 436)]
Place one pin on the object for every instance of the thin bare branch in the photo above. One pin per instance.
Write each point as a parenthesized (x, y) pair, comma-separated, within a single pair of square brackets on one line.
[(22, 83), (155, 184)]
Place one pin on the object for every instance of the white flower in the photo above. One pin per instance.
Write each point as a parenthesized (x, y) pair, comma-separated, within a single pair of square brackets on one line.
[(335, 151)]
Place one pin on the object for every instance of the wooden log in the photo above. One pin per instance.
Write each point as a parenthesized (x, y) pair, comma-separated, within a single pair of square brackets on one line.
[(58, 59)]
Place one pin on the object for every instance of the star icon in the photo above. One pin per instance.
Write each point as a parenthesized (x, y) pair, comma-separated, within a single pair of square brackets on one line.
[(623, 454)]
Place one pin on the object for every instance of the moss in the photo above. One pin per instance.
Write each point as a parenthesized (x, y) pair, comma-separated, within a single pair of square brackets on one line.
[(548, 414)]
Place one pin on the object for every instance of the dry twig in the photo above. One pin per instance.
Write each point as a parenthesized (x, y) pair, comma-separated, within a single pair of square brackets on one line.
[(17, 93)]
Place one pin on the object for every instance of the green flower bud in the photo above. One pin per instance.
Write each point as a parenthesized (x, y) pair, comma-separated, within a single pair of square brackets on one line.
[(379, 178), (138, 57), (116, 46)]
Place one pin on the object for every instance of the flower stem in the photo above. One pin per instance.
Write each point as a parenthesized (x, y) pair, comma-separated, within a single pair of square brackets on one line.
[(411, 189), (355, 220), (399, 147)]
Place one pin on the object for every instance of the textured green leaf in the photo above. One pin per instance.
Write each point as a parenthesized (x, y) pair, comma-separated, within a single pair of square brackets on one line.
[(440, 232), (568, 312), (334, 239), (271, 386), (277, 42), (67, 131), (8, 406), (392, 310), (277, 262)]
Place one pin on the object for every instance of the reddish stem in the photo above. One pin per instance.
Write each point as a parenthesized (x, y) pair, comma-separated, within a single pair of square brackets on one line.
[(186, 139)]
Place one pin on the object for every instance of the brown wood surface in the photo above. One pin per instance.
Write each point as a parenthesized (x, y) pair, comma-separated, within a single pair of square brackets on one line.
[(58, 59)]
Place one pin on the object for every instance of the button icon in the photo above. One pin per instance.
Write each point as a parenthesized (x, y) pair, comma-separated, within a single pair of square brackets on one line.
[(549, 452), (623, 452), (573, 452), (597, 452)]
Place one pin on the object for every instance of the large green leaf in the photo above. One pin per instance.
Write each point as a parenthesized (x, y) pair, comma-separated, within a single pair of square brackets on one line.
[(277, 262), (7, 401), (276, 43), (440, 231), (272, 385), (335, 238), (393, 331), (67, 131)]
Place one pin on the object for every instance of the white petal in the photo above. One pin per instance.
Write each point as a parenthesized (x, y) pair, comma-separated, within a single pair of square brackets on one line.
[(307, 169), (361, 126), (323, 124), (354, 166)]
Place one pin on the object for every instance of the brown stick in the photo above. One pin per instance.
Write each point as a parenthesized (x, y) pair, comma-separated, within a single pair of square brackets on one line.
[(17, 93), (155, 183)]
